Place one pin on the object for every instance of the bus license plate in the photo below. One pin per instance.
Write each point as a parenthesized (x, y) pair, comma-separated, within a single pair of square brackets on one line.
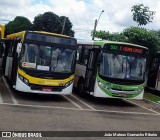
[(46, 89), (122, 94)]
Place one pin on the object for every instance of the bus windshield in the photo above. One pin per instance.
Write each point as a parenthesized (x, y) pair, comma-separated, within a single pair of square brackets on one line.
[(121, 66), (47, 58)]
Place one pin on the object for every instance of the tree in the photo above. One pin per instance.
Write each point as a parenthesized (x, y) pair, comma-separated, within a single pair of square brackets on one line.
[(109, 36), (51, 22), (142, 15), (17, 25), (143, 37), (46, 22)]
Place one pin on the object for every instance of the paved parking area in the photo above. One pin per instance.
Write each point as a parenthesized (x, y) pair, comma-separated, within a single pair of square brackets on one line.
[(25, 111)]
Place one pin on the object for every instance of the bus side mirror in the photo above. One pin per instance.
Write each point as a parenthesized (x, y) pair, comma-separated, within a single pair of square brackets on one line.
[(19, 46)]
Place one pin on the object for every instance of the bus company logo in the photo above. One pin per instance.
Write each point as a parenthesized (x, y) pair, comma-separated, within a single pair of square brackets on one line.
[(50, 83), (28, 65), (6, 134)]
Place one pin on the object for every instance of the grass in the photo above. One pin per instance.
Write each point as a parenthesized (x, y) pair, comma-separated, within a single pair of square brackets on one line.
[(151, 97)]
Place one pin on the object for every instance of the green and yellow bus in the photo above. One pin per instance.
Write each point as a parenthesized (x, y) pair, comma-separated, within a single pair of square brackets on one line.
[(40, 62), (111, 69)]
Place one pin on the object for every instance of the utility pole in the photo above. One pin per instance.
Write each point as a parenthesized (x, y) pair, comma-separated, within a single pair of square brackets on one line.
[(63, 25), (96, 23)]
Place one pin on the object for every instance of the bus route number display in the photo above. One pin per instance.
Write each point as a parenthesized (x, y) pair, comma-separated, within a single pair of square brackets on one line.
[(126, 49)]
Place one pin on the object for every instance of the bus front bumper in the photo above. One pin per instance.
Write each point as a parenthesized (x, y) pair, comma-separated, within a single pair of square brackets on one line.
[(21, 86)]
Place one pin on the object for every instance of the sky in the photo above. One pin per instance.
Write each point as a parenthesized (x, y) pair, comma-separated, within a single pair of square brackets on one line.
[(117, 14)]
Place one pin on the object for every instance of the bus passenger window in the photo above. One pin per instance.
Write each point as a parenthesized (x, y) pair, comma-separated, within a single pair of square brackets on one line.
[(79, 52), (85, 56)]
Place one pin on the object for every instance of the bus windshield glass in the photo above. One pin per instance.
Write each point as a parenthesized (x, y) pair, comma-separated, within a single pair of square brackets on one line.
[(47, 58), (121, 66)]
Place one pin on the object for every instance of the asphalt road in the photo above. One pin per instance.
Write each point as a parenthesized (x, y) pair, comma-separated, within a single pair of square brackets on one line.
[(34, 112)]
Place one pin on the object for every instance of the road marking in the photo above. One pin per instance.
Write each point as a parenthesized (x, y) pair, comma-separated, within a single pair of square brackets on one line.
[(76, 109), (10, 92), (1, 100), (143, 107), (72, 102), (83, 102)]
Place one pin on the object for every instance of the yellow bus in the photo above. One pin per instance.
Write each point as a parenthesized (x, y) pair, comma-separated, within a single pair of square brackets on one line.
[(40, 62)]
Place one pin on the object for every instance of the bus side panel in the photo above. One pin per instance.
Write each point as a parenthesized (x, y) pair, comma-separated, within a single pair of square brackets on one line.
[(8, 68), (80, 71), (158, 81), (158, 86)]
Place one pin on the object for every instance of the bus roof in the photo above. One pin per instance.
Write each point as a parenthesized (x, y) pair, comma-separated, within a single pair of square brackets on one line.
[(12, 36), (21, 34), (103, 42)]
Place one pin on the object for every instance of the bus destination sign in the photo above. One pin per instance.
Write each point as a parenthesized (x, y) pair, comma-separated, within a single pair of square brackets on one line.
[(128, 49)]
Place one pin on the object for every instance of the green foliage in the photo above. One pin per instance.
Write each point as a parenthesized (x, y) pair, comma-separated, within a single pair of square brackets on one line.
[(51, 22), (143, 37), (142, 15), (109, 36), (17, 25), (48, 22)]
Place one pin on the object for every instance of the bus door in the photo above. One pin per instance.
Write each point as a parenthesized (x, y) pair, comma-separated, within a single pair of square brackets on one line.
[(91, 69), (14, 62), (11, 60)]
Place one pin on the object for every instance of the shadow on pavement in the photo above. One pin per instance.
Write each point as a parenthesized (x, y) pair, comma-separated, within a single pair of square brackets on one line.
[(39, 97), (104, 101)]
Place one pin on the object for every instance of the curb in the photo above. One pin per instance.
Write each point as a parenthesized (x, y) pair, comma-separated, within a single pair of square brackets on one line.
[(151, 101)]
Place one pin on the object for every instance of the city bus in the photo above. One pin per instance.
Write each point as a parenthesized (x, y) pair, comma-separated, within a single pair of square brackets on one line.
[(111, 69), (40, 62), (154, 72)]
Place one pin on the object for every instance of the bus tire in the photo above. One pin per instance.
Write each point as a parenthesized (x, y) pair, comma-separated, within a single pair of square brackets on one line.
[(80, 87)]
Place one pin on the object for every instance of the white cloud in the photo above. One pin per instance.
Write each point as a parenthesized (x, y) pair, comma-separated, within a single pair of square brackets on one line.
[(82, 13)]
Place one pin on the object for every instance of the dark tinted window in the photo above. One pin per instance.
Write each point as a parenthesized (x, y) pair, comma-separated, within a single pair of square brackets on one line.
[(50, 39)]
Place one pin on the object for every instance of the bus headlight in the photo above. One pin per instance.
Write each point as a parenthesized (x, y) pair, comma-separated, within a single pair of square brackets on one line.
[(69, 83), (103, 85), (20, 77), (24, 80), (140, 89)]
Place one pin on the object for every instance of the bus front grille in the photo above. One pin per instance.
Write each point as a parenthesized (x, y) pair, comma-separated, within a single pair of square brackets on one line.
[(40, 88)]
